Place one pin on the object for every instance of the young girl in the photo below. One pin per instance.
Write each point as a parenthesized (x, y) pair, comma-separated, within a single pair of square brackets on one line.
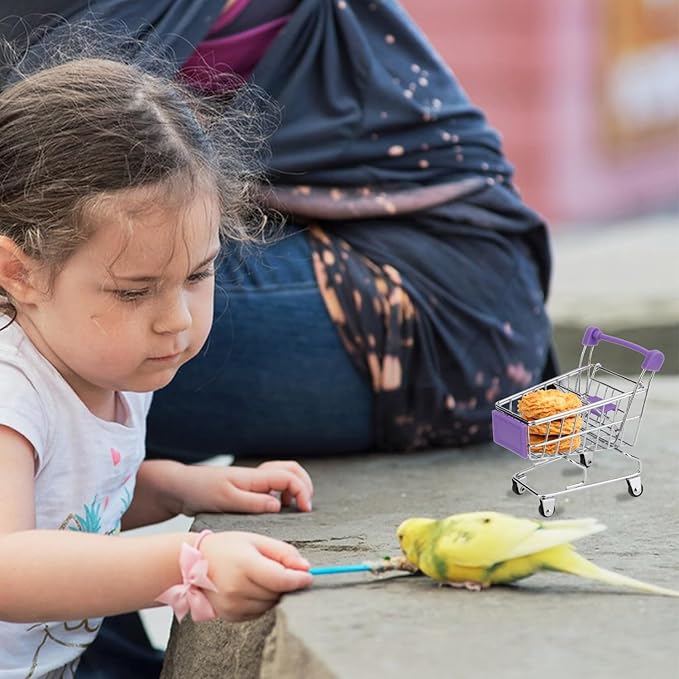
[(114, 199)]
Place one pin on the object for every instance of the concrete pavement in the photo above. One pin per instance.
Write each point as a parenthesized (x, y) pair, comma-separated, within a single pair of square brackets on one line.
[(551, 625), (623, 278)]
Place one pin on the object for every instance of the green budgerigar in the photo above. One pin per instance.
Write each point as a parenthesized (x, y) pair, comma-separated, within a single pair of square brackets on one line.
[(480, 549)]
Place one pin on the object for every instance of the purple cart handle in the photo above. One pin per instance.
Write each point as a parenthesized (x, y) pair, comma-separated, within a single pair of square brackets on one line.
[(653, 359)]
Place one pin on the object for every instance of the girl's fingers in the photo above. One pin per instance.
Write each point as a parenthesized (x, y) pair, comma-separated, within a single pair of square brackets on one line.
[(280, 552), (284, 481), (282, 568), (255, 503), (256, 571), (295, 468), (277, 578), (283, 552)]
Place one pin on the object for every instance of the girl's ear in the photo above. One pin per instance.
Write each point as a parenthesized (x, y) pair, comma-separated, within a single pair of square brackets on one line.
[(15, 272)]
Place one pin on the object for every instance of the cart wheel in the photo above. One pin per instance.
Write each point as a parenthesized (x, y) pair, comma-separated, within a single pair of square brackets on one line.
[(634, 487), (547, 507), (586, 460), (518, 488)]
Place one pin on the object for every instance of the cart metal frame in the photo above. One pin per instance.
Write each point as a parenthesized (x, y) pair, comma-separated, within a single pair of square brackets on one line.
[(610, 417)]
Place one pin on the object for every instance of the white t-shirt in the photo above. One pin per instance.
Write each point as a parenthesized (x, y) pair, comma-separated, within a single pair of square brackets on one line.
[(84, 481)]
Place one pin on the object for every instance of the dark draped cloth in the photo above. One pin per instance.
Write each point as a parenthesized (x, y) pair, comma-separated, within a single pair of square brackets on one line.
[(171, 26), (418, 234)]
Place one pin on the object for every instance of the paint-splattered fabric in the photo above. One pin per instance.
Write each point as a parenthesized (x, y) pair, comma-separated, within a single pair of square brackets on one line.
[(432, 268), (438, 355)]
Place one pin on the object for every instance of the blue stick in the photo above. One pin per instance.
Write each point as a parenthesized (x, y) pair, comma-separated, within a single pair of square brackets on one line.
[(330, 570)]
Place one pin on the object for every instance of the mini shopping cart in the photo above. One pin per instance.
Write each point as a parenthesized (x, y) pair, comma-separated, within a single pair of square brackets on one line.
[(612, 406)]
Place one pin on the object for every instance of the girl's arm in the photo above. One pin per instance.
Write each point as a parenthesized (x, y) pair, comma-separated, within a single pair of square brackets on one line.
[(155, 498), (63, 575), (67, 575), (166, 488)]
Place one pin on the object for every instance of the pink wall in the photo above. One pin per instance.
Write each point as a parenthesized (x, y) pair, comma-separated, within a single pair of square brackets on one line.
[(538, 68)]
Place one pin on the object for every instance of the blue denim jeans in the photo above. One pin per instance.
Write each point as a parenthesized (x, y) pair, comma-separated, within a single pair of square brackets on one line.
[(121, 651), (274, 377)]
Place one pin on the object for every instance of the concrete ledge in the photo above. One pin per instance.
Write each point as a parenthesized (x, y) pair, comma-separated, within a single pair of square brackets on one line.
[(212, 650), (287, 655), (624, 279), (400, 626)]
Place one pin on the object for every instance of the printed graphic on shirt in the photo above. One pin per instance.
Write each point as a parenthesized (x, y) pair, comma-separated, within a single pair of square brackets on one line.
[(49, 635), (88, 522)]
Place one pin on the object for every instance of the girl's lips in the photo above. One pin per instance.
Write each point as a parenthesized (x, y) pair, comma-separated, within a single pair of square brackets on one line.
[(169, 357)]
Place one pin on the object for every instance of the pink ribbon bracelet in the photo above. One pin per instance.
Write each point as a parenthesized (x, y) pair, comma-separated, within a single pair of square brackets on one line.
[(189, 596)]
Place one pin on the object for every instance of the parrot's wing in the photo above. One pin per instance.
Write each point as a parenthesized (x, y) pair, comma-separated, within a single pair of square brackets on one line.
[(482, 539), (554, 533)]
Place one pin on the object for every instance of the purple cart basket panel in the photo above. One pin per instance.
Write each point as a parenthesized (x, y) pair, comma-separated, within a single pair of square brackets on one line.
[(510, 433), (599, 411)]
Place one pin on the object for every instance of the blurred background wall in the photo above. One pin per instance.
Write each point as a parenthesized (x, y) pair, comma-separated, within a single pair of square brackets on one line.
[(584, 92)]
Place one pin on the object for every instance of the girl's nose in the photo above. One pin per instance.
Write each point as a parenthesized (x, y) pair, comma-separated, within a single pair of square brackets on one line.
[(174, 316)]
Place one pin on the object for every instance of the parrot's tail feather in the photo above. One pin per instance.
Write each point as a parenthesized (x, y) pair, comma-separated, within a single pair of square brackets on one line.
[(591, 525), (553, 534), (567, 560)]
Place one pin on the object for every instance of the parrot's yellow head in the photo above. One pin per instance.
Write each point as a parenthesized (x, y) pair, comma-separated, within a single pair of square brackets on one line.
[(414, 537)]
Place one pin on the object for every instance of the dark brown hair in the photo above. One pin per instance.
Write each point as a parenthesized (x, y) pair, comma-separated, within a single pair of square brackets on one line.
[(73, 132)]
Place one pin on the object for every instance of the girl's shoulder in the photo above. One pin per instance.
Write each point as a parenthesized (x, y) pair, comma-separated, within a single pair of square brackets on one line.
[(26, 400), (22, 366), (19, 360)]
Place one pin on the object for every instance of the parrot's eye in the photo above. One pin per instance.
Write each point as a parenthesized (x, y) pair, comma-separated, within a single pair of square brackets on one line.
[(486, 520)]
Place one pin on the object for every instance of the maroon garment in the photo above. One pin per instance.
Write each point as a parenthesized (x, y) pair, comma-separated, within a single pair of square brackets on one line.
[(218, 57)]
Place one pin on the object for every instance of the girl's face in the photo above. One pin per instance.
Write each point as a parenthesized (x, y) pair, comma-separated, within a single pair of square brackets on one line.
[(135, 301)]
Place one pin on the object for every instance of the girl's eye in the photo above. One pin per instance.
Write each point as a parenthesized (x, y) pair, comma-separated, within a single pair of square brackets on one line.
[(201, 276), (130, 295), (137, 295)]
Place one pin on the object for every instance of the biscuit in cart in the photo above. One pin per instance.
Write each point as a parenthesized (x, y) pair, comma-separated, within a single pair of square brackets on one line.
[(546, 403)]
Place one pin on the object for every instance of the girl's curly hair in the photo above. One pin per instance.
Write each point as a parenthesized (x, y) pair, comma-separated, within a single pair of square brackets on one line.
[(82, 120)]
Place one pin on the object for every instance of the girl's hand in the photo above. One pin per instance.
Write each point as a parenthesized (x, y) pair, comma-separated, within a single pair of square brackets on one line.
[(251, 572), (244, 489)]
